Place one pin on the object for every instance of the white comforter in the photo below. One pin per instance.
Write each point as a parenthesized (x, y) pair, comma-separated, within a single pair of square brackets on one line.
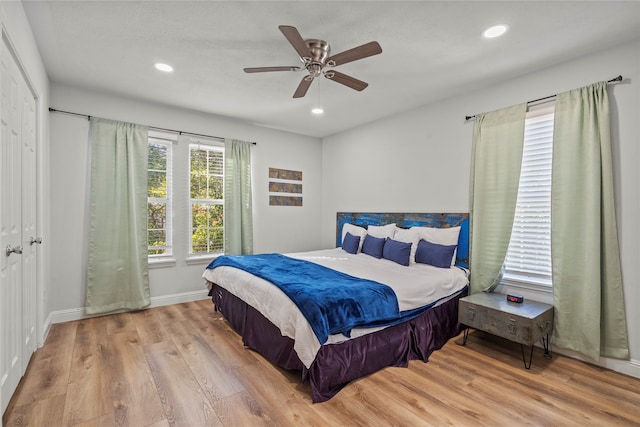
[(415, 286)]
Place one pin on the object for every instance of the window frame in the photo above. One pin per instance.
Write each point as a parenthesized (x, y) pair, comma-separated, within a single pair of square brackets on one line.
[(208, 145), (168, 140), (534, 283)]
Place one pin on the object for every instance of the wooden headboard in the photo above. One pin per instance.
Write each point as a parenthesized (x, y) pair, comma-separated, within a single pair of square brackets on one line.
[(407, 220)]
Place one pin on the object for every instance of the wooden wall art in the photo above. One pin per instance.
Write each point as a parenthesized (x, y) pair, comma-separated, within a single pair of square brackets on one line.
[(282, 191)]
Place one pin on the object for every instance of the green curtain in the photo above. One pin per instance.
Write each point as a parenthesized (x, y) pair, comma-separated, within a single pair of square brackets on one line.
[(117, 276), (587, 278), (238, 217), (495, 175)]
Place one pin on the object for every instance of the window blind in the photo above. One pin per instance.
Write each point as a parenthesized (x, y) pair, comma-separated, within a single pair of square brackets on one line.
[(529, 254)]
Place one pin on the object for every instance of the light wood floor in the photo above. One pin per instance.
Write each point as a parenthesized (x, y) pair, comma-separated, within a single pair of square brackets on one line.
[(182, 365)]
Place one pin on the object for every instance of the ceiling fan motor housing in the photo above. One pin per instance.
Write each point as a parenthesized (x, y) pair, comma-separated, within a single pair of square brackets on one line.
[(319, 49)]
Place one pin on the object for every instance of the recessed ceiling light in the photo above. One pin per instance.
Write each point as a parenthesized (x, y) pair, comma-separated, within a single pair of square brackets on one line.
[(495, 31), (163, 67), (317, 110)]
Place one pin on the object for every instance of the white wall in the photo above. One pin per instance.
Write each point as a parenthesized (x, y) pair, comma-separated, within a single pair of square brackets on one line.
[(276, 229), (419, 161)]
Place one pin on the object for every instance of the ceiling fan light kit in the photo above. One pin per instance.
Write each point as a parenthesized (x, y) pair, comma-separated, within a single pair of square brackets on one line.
[(315, 56)]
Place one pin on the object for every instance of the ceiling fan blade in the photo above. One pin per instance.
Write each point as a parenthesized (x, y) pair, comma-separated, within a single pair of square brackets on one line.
[(363, 51), (265, 69), (296, 40), (346, 80), (303, 87)]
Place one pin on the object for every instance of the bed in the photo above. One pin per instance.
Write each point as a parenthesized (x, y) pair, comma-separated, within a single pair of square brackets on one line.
[(329, 355)]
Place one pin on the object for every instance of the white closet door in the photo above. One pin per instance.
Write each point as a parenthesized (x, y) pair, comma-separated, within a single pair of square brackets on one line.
[(29, 230), (18, 259)]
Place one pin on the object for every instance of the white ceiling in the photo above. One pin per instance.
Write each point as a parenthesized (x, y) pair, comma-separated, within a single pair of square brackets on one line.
[(431, 50)]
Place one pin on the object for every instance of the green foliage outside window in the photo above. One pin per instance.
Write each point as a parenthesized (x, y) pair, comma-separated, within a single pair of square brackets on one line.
[(208, 228), (157, 184)]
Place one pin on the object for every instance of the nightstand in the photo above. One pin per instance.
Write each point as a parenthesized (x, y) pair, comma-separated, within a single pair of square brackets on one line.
[(524, 323)]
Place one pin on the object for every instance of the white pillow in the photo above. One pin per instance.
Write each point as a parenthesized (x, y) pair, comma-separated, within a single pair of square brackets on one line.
[(408, 235), (382, 231), (442, 236), (355, 231)]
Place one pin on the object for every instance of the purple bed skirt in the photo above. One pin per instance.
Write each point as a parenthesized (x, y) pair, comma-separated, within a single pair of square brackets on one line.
[(338, 364)]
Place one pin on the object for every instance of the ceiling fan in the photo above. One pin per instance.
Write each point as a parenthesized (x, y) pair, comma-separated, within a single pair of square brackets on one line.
[(314, 55)]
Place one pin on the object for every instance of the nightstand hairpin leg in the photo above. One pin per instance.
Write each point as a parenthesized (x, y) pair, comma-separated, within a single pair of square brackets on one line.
[(465, 336), (530, 356), (547, 353), (545, 344)]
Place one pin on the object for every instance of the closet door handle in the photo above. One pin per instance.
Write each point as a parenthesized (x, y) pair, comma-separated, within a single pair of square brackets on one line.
[(37, 240), (15, 250)]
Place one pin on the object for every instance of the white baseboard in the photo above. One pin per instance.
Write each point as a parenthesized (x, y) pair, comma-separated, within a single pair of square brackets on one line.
[(627, 367), (46, 327), (79, 313), (179, 298)]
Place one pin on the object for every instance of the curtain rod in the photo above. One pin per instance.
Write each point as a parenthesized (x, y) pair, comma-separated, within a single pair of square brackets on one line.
[(179, 132), (616, 79)]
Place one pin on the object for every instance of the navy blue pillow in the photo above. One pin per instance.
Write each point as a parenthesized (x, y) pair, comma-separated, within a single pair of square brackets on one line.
[(350, 243), (434, 254), (397, 251), (373, 246)]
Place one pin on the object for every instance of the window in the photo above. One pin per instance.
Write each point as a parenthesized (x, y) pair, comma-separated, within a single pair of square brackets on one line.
[(159, 197), (185, 215), (206, 200), (528, 259)]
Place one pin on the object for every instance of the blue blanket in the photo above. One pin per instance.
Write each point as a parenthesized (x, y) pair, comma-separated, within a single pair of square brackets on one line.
[(331, 301)]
